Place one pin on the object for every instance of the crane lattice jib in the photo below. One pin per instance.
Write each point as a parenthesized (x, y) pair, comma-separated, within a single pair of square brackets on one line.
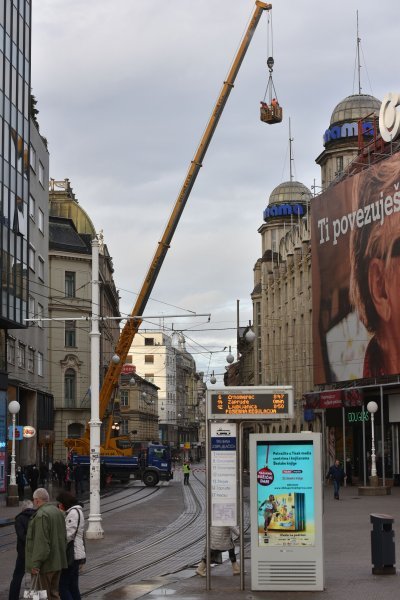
[(132, 325)]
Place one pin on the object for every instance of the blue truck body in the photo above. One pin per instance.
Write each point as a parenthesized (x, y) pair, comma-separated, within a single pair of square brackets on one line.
[(151, 465)]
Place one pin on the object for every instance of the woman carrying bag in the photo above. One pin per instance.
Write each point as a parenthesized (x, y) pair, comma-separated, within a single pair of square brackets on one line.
[(76, 555)]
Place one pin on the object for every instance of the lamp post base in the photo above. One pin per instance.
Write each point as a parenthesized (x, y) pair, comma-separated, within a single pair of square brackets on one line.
[(374, 481), (12, 496)]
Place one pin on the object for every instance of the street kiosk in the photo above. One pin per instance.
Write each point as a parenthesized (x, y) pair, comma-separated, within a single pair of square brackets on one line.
[(286, 512)]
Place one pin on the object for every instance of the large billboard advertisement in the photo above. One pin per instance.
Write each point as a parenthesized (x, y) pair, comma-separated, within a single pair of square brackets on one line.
[(285, 493), (356, 276)]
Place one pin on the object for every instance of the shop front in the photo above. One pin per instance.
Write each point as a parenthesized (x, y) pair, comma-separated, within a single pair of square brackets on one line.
[(347, 431)]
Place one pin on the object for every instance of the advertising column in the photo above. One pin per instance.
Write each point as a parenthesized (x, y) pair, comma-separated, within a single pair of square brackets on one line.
[(286, 512)]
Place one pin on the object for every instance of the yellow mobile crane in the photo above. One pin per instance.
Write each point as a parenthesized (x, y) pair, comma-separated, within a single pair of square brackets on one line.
[(110, 447)]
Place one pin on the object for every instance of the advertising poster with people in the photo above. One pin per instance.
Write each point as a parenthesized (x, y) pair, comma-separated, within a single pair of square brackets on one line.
[(285, 493), (356, 276)]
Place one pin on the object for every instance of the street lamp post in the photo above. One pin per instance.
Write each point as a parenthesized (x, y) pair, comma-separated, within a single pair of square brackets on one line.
[(372, 407), (12, 498), (95, 530)]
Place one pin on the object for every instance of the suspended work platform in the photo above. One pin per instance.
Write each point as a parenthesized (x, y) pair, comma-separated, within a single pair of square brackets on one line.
[(270, 113)]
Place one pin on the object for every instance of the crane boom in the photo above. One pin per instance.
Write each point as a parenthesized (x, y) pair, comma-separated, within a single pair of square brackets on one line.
[(132, 325)]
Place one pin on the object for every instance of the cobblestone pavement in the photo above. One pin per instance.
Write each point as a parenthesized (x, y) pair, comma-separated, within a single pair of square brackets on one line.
[(346, 541)]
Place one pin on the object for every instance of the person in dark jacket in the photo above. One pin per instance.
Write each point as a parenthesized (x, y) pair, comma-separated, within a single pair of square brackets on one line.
[(337, 475), (34, 478), (21, 527), (21, 483)]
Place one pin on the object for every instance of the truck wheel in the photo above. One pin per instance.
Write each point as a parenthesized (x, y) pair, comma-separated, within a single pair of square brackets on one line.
[(150, 478)]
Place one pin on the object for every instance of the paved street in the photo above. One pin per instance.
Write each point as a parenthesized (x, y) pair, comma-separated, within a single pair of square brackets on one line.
[(347, 552)]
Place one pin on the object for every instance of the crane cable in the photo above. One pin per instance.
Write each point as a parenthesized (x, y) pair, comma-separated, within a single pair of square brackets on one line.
[(270, 61)]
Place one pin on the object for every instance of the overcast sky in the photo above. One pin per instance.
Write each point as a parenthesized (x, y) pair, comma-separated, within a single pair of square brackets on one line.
[(125, 89)]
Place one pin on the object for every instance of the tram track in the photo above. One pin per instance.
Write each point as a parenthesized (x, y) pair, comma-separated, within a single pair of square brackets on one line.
[(153, 552), (113, 505)]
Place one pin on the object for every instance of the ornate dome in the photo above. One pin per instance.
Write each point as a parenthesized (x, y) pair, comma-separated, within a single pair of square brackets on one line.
[(290, 191), (355, 107)]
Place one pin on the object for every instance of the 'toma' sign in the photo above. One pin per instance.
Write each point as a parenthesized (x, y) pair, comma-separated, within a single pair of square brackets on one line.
[(283, 210), (336, 132)]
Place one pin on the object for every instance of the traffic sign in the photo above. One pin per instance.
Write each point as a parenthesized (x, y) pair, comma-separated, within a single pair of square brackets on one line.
[(251, 403)]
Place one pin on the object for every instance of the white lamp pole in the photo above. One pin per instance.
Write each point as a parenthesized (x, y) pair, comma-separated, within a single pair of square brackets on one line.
[(12, 497), (13, 409), (372, 407), (95, 530)]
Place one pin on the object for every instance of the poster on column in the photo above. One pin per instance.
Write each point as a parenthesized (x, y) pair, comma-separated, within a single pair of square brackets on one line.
[(285, 493), (223, 474)]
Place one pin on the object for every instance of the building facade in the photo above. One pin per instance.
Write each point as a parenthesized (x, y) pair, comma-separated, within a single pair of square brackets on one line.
[(284, 307), (27, 359), (282, 296), (164, 361), (70, 264), (15, 29), (136, 409)]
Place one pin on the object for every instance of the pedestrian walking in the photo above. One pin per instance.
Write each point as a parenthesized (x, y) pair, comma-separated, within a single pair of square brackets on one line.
[(337, 475), (75, 524), (221, 539), (21, 483), (186, 472), (33, 478), (43, 474), (45, 551), (21, 528), (78, 480)]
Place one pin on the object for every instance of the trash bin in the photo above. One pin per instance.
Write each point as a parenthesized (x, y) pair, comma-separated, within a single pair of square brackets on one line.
[(382, 545)]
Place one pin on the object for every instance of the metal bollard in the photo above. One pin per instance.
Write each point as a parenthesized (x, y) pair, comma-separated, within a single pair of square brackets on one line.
[(382, 545)]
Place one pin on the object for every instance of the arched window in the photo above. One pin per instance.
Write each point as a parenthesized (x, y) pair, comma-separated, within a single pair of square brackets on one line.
[(70, 388)]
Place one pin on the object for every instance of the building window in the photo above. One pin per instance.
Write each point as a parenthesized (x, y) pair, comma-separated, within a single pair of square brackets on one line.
[(149, 377), (70, 388), (39, 315), (32, 255), (148, 359), (40, 364), (11, 351), (124, 397), (70, 284), (41, 174), (31, 359), (31, 304), (41, 268), (124, 427), (32, 158), (70, 334), (40, 220), (21, 356), (339, 165), (31, 206), (149, 341)]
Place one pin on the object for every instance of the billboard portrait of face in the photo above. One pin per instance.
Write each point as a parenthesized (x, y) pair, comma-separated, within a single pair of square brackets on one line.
[(356, 276)]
